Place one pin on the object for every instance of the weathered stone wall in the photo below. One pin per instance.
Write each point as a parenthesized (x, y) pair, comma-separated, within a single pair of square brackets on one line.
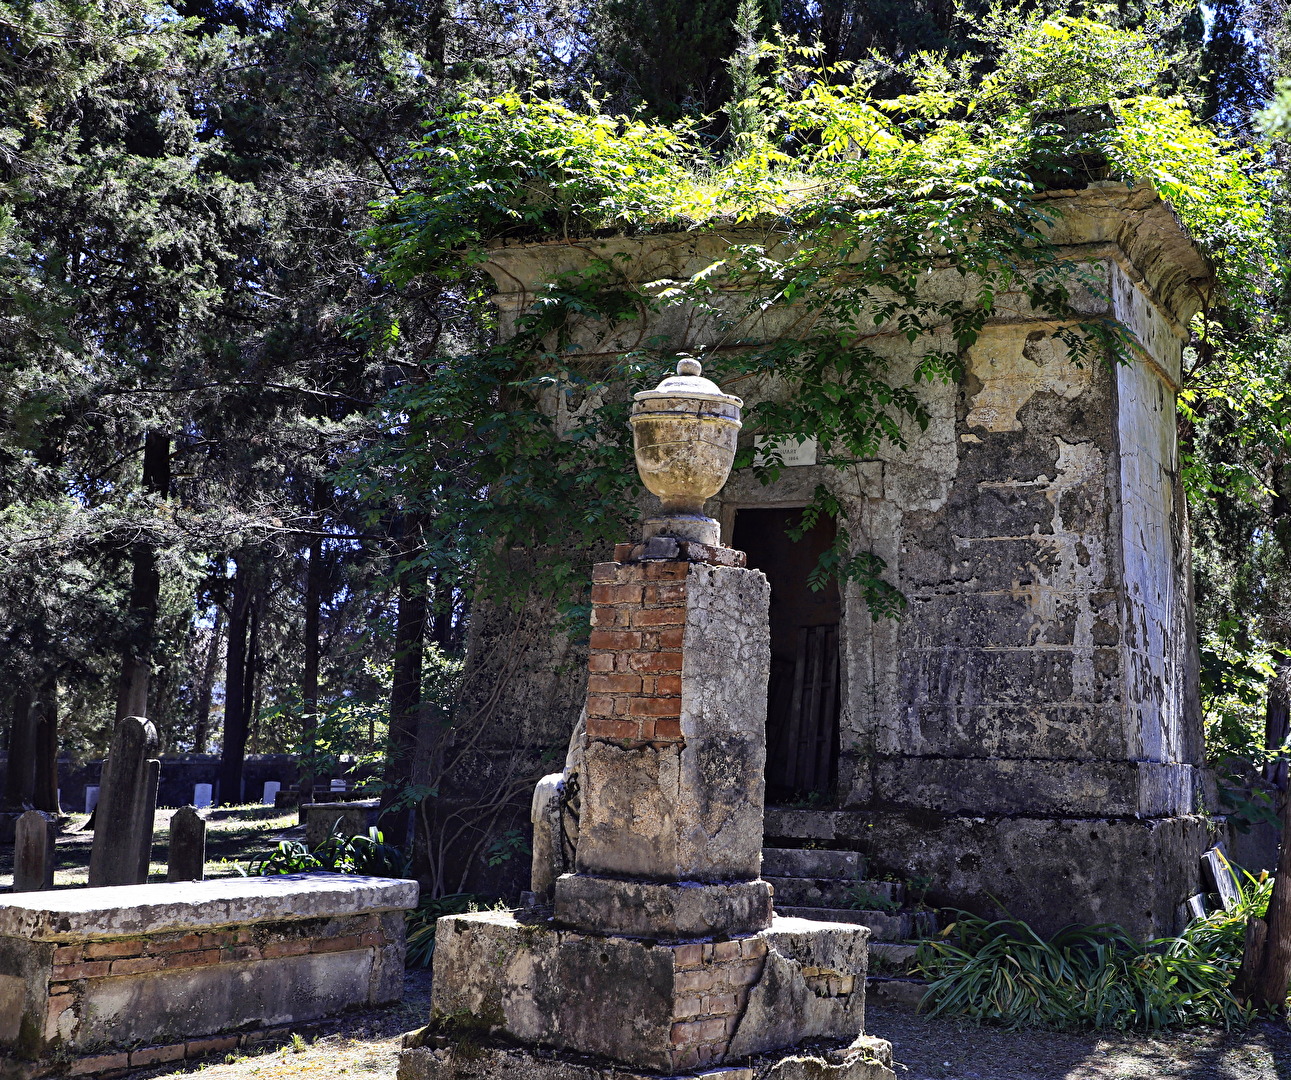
[(1029, 728), (118, 978)]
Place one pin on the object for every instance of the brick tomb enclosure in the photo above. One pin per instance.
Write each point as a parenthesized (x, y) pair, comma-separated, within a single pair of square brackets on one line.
[(99, 981)]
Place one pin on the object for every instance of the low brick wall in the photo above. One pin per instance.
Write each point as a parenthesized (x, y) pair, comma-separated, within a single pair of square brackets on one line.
[(99, 981)]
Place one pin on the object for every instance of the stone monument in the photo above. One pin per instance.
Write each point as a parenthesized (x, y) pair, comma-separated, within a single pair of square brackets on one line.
[(186, 858), (661, 955), (33, 852), (127, 804)]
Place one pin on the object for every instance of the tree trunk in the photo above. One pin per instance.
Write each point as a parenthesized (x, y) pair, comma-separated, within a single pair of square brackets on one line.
[(236, 701), (309, 669), (45, 790), (1266, 962), (1277, 723), (202, 719), (405, 690), (145, 590), (20, 769)]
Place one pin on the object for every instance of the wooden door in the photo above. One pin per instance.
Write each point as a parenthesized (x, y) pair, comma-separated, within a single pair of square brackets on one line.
[(803, 696)]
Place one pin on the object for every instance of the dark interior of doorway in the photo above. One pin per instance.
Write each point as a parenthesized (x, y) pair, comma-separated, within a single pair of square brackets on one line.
[(803, 695)]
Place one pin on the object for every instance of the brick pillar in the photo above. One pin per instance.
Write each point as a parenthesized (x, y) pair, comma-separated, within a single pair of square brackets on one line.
[(670, 832)]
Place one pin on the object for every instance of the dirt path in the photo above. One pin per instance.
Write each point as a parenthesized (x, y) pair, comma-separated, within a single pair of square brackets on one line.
[(945, 1050), (367, 1045)]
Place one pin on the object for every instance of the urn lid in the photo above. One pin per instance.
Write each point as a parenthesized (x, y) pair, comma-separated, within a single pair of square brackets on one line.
[(687, 383)]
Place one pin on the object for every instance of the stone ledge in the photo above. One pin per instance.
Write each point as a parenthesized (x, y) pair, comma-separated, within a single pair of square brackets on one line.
[(131, 910), (674, 910)]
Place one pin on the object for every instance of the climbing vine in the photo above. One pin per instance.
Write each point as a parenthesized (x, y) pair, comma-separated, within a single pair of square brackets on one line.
[(836, 206)]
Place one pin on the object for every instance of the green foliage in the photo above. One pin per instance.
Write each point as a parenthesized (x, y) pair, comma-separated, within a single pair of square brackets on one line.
[(1083, 977), (842, 202), (369, 855), (421, 922), (859, 898)]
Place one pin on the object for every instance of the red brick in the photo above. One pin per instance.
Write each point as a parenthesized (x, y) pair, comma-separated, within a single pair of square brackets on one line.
[(667, 728), (623, 552), (726, 950), (655, 662), (712, 1030), (700, 979), (615, 639), (720, 1004), (91, 970), (600, 705), (599, 662), (666, 571), (667, 684), (616, 594), (103, 950), (153, 1055), (373, 939), (614, 684), (336, 944), (242, 952), (687, 1007), (216, 940), (67, 954), (670, 637), (55, 1008), (99, 1063), (654, 706), (659, 616), (683, 1060), (196, 958), (605, 573), (182, 943), (135, 964), (685, 956), (671, 593), (284, 948), (686, 1033), (600, 728), (217, 1044), (605, 618)]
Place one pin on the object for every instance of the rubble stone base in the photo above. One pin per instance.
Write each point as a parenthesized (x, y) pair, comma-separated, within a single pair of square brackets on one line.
[(865, 1058), (664, 1007)]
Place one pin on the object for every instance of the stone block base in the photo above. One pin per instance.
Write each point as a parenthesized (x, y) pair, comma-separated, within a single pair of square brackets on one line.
[(96, 977), (645, 909), (863, 1059), (661, 1008), (1047, 871)]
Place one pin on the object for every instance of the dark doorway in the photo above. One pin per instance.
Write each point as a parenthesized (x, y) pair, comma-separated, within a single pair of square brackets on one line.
[(803, 698)]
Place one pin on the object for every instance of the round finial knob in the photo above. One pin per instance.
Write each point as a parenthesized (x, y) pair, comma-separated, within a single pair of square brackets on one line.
[(689, 366)]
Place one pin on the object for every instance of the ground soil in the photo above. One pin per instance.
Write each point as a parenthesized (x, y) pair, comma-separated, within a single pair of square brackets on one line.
[(367, 1045)]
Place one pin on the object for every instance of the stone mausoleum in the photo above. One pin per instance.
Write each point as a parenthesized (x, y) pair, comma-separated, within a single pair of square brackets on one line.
[(1026, 735)]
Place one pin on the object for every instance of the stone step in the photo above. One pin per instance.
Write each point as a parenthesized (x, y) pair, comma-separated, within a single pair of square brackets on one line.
[(833, 892), (891, 960), (898, 991), (812, 863), (883, 926)]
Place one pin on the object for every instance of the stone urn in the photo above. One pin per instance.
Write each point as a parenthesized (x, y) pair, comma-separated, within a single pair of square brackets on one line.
[(683, 433)]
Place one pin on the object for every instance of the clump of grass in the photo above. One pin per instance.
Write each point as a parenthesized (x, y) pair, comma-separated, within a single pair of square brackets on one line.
[(1083, 977)]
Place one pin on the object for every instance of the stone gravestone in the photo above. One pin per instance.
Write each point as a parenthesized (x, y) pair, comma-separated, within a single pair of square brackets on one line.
[(271, 789), (127, 803), (33, 853), (186, 859), (1219, 876), (91, 797), (202, 795)]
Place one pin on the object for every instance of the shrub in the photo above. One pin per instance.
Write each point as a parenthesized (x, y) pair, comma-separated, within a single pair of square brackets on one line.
[(1083, 977)]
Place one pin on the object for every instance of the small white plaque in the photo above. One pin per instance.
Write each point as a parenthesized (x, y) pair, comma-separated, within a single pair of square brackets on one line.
[(790, 450)]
